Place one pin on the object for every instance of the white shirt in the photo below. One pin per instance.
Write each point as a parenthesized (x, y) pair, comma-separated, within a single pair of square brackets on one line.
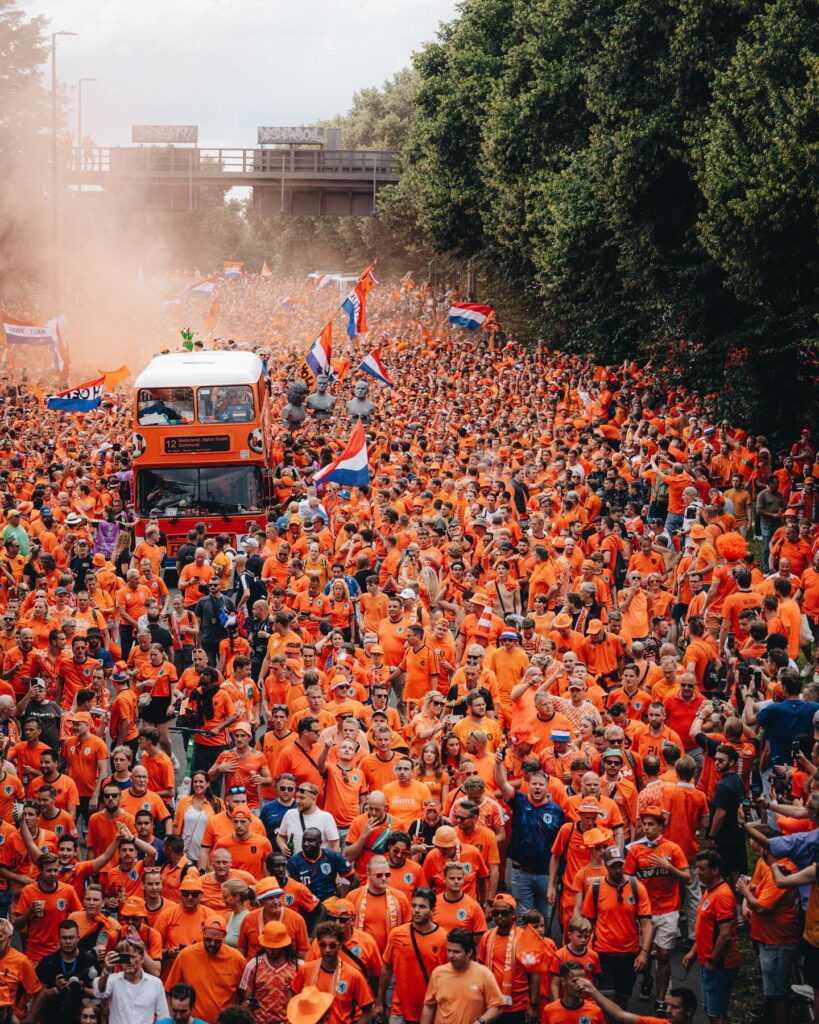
[(142, 1003), (324, 822)]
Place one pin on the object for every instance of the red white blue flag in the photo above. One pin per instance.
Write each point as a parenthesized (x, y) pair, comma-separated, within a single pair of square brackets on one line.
[(351, 468), (470, 315), (372, 364), (82, 398)]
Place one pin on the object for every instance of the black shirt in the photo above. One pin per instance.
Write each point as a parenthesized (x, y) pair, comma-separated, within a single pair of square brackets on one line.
[(49, 715), (65, 1006), (160, 635), (79, 567), (185, 555), (728, 795)]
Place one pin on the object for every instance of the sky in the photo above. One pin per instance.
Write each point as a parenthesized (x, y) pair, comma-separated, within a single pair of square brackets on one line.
[(229, 66)]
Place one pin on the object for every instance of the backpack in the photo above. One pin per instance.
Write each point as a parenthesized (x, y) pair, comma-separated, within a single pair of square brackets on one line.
[(661, 492), (620, 569), (595, 887)]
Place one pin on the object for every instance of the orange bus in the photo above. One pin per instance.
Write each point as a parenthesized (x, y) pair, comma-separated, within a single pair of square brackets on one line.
[(201, 443)]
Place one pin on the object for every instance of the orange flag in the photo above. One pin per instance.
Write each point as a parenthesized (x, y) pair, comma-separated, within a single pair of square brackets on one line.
[(38, 394), (113, 377)]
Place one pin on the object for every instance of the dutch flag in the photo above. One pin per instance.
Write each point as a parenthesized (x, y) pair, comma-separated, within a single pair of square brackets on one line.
[(350, 469), (318, 358), (82, 398), (372, 364), (470, 315)]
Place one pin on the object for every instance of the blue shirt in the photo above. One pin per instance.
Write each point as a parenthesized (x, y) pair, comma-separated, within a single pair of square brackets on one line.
[(352, 586), (803, 849), (783, 721), (271, 817), (319, 876), (533, 831)]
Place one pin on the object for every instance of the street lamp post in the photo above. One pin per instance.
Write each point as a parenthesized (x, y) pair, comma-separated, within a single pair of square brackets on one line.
[(80, 82), (54, 196)]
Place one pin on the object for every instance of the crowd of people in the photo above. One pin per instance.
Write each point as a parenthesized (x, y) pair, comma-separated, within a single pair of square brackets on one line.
[(500, 737)]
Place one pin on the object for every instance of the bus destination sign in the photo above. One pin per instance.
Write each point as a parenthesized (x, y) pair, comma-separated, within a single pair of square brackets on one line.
[(197, 444)]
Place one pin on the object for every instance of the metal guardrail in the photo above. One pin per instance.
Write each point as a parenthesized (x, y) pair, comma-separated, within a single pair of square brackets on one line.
[(194, 162)]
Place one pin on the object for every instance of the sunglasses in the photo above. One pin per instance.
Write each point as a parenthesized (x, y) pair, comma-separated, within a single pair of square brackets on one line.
[(309, 792), (287, 789), (379, 874), (237, 789)]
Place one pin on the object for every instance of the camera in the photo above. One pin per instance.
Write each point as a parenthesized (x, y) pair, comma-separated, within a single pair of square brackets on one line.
[(75, 986)]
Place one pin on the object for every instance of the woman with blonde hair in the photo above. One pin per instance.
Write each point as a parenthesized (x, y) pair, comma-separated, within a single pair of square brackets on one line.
[(238, 897)]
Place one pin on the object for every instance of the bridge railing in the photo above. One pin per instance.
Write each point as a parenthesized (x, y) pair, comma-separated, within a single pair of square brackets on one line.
[(181, 161)]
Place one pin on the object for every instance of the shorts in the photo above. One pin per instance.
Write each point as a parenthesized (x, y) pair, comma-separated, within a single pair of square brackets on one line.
[(717, 983), (666, 929), (156, 712), (678, 612), (775, 964), (617, 973)]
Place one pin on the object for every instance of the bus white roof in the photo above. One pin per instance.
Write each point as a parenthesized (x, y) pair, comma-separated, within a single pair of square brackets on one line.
[(197, 369)]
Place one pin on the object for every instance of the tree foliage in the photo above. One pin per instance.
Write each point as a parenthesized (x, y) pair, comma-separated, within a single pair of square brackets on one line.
[(637, 177), (24, 149), (380, 118)]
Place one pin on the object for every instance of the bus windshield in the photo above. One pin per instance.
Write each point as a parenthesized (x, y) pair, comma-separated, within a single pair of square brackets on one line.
[(215, 490), (162, 407)]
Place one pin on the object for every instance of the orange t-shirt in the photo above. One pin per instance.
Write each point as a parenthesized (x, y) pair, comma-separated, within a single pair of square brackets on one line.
[(410, 982), (83, 756), (42, 933), (406, 802), (663, 888), (617, 928), (717, 906)]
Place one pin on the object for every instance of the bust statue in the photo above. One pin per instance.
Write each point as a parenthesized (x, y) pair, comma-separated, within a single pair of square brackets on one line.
[(293, 413), (321, 403), (360, 407)]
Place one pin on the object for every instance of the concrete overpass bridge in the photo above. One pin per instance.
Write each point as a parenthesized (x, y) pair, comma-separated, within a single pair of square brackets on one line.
[(288, 182)]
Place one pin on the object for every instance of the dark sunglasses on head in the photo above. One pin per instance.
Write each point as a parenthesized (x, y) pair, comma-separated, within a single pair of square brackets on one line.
[(236, 789)]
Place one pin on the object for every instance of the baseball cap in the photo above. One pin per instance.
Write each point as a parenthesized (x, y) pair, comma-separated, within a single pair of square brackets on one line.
[(217, 924), (376, 649), (407, 594), (241, 810), (594, 627), (191, 883), (612, 752), (576, 684), (613, 855), (505, 900), (81, 716), (697, 532), (339, 908)]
